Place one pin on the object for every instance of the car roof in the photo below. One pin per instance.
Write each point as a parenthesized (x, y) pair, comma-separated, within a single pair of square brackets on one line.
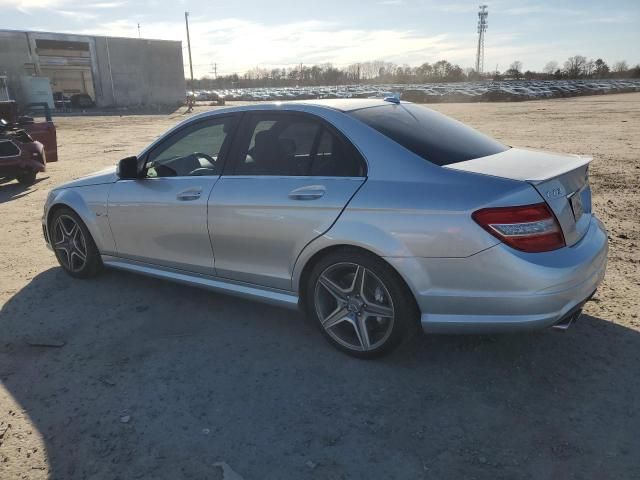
[(337, 104), (344, 104)]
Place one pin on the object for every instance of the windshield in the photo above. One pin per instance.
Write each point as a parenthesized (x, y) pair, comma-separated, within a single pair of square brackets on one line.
[(429, 134)]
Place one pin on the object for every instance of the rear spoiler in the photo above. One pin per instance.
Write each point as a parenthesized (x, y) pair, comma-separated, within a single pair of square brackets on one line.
[(522, 164)]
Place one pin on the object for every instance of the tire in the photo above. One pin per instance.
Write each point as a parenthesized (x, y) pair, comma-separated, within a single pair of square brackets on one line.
[(27, 178), (360, 303), (73, 245)]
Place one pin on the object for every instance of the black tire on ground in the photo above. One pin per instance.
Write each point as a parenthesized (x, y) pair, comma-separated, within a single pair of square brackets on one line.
[(93, 263), (27, 178), (406, 314)]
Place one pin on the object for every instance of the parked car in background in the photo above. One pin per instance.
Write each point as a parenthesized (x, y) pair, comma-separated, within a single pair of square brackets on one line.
[(21, 157), (26, 145), (374, 216), (82, 100)]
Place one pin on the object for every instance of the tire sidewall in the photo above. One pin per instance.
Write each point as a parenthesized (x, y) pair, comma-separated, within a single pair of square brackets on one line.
[(93, 265), (27, 179), (405, 309)]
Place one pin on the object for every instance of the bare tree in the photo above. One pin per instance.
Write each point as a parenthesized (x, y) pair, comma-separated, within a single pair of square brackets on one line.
[(515, 70), (589, 67), (551, 67), (621, 66), (574, 66)]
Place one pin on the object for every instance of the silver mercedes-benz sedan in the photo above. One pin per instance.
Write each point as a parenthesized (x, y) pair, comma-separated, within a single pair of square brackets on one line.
[(374, 216)]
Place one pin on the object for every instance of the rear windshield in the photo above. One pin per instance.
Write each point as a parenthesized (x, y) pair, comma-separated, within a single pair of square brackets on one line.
[(431, 135)]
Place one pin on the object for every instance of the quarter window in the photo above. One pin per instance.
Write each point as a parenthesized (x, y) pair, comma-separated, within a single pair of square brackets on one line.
[(194, 151), (336, 158)]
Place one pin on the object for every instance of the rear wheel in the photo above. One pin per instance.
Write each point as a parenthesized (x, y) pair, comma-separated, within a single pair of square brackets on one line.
[(360, 302), (73, 245), (27, 178)]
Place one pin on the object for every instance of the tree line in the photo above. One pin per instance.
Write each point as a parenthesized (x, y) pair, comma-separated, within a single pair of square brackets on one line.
[(378, 72)]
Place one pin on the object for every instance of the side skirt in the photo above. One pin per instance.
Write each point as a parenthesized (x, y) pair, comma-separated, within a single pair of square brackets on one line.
[(244, 290)]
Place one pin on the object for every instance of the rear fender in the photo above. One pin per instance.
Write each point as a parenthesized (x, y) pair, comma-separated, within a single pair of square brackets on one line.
[(348, 233)]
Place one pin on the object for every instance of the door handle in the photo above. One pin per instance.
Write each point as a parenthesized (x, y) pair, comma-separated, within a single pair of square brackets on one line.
[(191, 194), (311, 192)]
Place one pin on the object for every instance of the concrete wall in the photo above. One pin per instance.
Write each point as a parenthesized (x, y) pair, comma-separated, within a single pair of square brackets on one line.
[(15, 60), (126, 71), (139, 72)]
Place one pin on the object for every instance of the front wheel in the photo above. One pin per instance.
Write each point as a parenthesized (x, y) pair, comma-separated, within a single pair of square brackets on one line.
[(73, 245), (361, 303)]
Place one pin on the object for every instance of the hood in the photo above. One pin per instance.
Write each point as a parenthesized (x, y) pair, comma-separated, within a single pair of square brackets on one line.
[(108, 175)]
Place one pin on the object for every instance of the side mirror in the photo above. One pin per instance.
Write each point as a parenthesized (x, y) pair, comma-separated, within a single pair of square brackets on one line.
[(128, 168)]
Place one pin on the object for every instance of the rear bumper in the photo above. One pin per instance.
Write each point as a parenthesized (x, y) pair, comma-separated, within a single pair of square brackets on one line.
[(504, 290)]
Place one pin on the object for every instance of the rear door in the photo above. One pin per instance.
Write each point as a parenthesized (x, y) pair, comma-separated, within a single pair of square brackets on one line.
[(45, 133), (290, 178)]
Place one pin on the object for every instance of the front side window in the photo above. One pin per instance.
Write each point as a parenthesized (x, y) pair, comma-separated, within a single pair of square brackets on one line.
[(294, 145), (193, 151), (429, 134)]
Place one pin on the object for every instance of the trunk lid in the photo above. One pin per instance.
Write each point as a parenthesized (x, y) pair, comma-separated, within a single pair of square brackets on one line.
[(562, 181)]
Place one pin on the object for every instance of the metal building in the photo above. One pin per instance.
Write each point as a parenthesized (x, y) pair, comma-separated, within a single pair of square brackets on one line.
[(113, 71)]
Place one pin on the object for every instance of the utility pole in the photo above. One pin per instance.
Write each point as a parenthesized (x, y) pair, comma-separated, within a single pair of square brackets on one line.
[(138, 30), (191, 100), (215, 70), (186, 21), (482, 27)]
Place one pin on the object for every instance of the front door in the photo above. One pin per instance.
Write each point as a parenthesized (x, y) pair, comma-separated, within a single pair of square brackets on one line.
[(161, 218), (290, 177)]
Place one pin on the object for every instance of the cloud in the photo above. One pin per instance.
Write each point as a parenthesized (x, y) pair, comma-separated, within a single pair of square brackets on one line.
[(103, 5), (237, 45), (76, 15), (29, 6), (26, 6)]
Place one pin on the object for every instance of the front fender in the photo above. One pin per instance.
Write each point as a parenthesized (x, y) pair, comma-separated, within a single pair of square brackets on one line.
[(90, 203)]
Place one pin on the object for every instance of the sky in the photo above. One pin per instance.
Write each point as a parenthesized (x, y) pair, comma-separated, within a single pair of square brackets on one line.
[(242, 34)]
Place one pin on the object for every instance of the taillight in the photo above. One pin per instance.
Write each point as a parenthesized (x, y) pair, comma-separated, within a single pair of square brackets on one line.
[(530, 228)]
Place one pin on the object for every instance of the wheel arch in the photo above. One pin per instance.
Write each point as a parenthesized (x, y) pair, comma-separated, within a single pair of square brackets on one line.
[(305, 270), (75, 202)]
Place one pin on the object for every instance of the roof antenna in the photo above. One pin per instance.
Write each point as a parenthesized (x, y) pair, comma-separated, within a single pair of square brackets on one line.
[(393, 98)]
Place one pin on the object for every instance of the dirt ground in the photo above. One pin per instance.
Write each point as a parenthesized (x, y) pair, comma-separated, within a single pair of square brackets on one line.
[(160, 381)]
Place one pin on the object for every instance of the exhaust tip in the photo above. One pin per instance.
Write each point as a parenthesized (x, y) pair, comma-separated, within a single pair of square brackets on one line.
[(568, 320)]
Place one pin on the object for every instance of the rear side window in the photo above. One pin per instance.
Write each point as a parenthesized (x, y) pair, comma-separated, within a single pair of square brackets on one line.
[(431, 135), (277, 144)]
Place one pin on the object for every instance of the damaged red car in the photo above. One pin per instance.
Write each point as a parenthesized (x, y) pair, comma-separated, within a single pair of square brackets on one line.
[(25, 145)]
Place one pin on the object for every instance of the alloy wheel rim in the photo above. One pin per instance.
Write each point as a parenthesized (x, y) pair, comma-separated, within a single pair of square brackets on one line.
[(354, 306), (69, 243)]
